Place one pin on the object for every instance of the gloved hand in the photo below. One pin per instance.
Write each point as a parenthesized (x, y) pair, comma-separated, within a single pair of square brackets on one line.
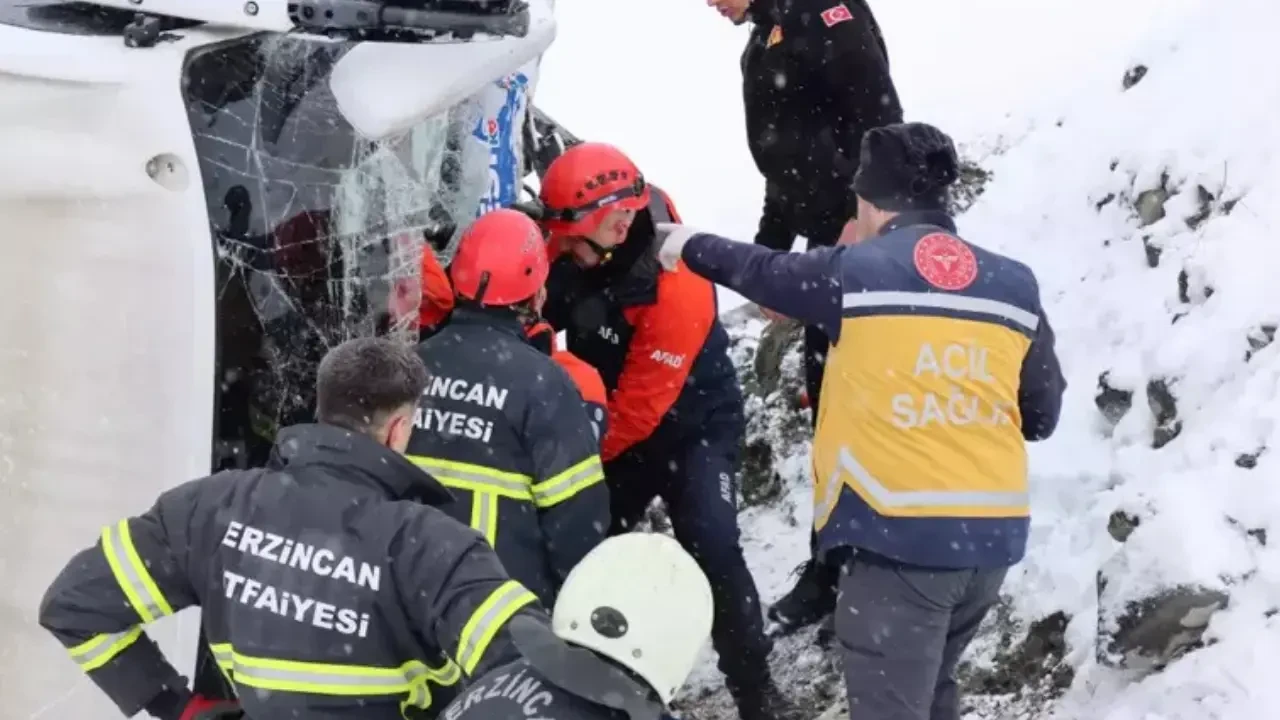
[(671, 239), (203, 708)]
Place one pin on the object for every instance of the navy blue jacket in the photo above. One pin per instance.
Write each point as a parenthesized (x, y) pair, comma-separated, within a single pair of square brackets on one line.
[(942, 366)]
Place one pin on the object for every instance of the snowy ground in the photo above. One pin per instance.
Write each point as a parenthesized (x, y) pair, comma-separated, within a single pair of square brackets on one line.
[(1149, 215)]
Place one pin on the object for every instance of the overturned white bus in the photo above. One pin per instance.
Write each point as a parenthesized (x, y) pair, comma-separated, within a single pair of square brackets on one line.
[(196, 202)]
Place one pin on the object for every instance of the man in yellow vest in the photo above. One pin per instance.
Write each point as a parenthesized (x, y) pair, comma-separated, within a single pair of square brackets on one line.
[(942, 367)]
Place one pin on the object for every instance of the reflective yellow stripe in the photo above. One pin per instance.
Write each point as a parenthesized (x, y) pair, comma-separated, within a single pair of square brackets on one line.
[(409, 679), (101, 649), (484, 516), (561, 487), (485, 484), (131, 573), (476, 478), (487, 620), (871, 489)]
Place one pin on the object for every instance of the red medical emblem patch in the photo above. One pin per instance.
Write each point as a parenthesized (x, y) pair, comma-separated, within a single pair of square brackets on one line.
[(945, 261), (836, 14)]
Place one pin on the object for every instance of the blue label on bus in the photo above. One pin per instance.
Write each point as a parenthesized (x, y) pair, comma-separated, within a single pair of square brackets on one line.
[(500, 131)]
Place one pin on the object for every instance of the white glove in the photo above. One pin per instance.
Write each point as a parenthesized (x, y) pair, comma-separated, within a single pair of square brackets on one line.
[(671, 240)]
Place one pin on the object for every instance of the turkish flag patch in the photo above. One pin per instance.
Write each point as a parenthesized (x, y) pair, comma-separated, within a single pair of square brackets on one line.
[(836, 14), (945, 262)]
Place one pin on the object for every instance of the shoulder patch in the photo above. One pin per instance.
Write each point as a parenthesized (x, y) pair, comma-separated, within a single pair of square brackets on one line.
[(836, 14), (945, 261)]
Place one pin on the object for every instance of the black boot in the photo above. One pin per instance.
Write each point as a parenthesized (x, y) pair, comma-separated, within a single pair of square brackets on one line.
[(765, 702), (812, 598)]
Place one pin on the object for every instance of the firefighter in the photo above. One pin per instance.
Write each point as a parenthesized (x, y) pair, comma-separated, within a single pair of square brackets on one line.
[(676, 416), (501, 423), (437, 301), (804, 135), (627, 629), (942, 368), (322, 591)]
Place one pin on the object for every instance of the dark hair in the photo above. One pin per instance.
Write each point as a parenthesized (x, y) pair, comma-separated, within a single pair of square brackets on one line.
[(363, 381)]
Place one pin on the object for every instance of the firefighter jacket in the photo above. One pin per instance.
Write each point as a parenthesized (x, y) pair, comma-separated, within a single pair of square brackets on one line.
[(942, 365), (554, 680), (503, 426), (654, 336), (437, 305), (327, 586)]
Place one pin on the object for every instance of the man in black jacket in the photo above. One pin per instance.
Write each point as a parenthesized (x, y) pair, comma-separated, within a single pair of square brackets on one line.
[(815, 78), (627, 630), (329, 586)]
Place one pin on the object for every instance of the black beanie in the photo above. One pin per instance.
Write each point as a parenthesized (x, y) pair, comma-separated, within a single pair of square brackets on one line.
[(907, 166)]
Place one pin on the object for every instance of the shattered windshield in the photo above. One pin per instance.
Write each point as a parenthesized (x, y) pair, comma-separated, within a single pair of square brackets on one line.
[(317, 230)]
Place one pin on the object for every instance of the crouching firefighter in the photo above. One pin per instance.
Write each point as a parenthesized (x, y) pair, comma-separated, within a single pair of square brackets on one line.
[(329, 586), (501, 423), (676, 416), (626, 632), (942, 367)]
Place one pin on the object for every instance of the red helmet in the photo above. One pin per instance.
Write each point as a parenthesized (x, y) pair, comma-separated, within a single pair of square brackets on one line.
[(584, 184), (501, 259)]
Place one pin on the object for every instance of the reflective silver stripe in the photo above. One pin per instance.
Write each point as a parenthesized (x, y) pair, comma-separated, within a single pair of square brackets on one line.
[(336, 680), (99, 650), (452, 476), (484, 516), (419, 695), (321, 682), (549, 492), (131, 575), (918, 498), (963, 303), (484, 624)]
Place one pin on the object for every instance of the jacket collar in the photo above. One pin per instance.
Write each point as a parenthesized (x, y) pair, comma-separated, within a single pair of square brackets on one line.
[(502, 319), (766, 12), (355, 458), (918, 217)]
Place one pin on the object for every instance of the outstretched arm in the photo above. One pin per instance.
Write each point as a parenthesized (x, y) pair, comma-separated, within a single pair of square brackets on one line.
[(805, 286)]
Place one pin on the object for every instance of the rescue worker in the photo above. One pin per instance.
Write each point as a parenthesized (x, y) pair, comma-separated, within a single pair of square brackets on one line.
[(437, 304), (329, 586), (804, 135), (676, 416), (943, 367), (503, 425), (626, 632), (437, 294)]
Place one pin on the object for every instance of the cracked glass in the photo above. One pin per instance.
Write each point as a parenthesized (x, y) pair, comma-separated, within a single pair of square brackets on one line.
[(317, 231)]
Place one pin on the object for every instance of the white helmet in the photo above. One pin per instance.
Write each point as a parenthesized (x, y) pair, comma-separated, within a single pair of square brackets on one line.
[(640, 600)]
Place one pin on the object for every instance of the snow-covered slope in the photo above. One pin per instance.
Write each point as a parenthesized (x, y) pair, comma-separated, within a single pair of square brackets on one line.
[(1149, 213)]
